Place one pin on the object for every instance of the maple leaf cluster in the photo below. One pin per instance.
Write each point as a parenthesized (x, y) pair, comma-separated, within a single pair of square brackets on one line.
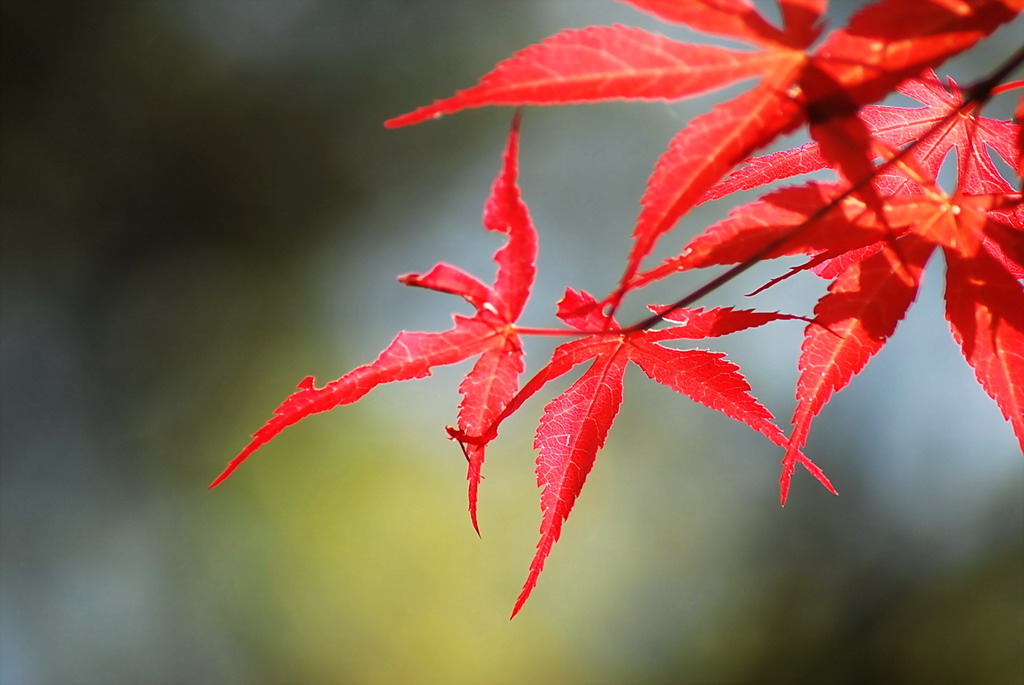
[(870, 232)]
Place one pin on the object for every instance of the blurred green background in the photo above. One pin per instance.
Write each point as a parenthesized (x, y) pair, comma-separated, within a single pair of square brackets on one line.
[(200, 207)]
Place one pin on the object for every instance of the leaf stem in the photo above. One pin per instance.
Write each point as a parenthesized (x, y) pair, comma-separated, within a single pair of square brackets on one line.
[(982, 90), (1007, 87)]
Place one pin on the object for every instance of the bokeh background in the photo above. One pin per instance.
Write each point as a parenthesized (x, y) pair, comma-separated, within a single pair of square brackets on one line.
[(200, 207)]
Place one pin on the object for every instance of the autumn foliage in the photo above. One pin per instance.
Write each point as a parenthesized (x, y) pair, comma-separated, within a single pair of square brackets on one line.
[(870, 233)]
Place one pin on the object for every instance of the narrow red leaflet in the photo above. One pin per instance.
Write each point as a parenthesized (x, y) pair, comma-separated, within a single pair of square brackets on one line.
[(707, 378), (833, 267), (766, 169), (598, 64), (493, 381), (602, 63), (695, 324), (445, 278), (857, 316), (791, 219), (572, 430), (1005, 242), (485, 391), (410, 355), (1012, 265), (505, 212), (700, 155), (736, 19), (729, 391), (801, 19), (985, 309)]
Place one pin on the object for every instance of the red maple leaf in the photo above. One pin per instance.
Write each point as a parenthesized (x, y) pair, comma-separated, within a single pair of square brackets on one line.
[(984, 305), (576, 423), (490, 333), (876, 261)]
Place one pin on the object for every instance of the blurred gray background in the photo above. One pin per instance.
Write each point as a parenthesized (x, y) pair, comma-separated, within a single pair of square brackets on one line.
[(200, 206)]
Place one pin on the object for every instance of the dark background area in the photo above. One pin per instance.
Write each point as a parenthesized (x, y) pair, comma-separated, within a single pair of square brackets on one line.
[(200, 206)]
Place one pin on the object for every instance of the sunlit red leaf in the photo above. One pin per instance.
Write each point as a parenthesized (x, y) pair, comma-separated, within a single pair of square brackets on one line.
[(795, 220), (410, 355), (486, 390), (970, 135), (598, 64), (985, 309), (572, 430), (695, 324), (736, 19), (1005, 242), (700, 155), (505, 212), (494, 378), (855, 319), (576, 423)]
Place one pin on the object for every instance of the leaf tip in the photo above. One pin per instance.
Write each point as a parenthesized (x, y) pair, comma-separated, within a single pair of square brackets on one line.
[(784, 481), (401, 121), (417, 116), (473, 484), (222, 477), (473, 517)]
